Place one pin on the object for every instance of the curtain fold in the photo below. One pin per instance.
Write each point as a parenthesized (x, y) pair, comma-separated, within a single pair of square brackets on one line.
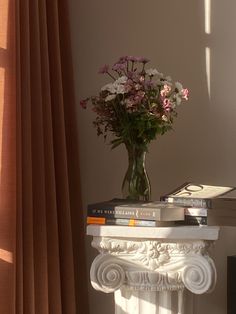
[(71, 134), (50, 276)]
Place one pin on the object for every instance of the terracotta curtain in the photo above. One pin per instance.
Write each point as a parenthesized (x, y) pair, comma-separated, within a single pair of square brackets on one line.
[(42, 254), (7, 157)]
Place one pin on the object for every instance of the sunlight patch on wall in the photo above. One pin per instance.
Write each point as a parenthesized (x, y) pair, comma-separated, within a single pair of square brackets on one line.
[(207, 16), (207, 7)]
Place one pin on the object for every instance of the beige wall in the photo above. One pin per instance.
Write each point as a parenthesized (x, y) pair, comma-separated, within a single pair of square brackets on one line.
[(202, 147)]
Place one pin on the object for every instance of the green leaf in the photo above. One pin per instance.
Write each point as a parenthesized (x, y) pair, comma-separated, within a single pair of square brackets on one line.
[(116, 142)]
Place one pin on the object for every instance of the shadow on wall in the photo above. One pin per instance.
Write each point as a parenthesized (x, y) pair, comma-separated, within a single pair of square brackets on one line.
[(172, 36), (194, 43), (183, 155), (201, 148), (216, 302)]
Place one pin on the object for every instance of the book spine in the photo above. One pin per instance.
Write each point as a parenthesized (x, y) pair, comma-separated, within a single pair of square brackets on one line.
[(136, 213), (143, 214), (121, 222), (193, 221), (101, 212), (188, 201), (106, 209), (129, 213)]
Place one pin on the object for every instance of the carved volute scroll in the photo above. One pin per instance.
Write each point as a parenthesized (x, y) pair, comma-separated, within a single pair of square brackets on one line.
[(155, 265)]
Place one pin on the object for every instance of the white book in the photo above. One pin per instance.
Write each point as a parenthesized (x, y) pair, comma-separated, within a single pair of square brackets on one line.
[(193, 211)]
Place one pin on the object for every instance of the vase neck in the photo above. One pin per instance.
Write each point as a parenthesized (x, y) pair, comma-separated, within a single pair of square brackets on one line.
[(136, 151), (136, 156), (136, 184)]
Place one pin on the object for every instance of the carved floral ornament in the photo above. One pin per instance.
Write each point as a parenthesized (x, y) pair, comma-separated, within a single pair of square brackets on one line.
[(151, 254), (152, 265)]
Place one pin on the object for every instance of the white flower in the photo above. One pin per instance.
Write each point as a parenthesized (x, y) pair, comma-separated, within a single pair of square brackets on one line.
[(120, 89), (110, 97), (178, 100), (152, 72), (164, 118), (179, 86), (121, 80), (117, 87), (168, 79), (109, 87)]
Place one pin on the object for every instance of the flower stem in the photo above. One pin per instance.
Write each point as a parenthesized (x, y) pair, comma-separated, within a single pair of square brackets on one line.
[(111, 76)]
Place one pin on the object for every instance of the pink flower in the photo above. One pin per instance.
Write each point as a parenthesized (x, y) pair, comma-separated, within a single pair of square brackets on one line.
[(137, 86), (167, 104), (129, 103), (149, 84), (138, 97), (104, 69), (83, 103), (166, 89), (140, 94), (131, 58), (130, 74), (143, 100), (185, 93), (118, 67), (137, 59), (141, 79), (122, 59), (128, 87), (142, 59)]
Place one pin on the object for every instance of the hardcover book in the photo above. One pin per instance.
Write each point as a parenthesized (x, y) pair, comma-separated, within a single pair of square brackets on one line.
[(202, 196), (195, 216), (128, 222), (193, 221), (210, 217), (157, 211)]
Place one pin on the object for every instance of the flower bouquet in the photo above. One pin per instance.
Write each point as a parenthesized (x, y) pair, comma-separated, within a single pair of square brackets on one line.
[(135, 107)]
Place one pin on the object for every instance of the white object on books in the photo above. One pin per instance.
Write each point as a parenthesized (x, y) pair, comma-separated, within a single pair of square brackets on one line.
[(204, 196), (201, 191)]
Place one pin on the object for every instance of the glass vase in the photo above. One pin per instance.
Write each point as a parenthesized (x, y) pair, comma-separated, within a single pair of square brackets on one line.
[(136, 184)]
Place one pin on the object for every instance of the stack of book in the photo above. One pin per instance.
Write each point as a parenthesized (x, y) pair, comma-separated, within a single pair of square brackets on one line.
[(128, 213), (205, 204), (188, 204)]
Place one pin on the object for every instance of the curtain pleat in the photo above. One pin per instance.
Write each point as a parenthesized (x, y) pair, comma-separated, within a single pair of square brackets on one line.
[(19, 199), (51, 266), (54, 282), (24, 103), (38, 167), (61, 163), (71, 133)]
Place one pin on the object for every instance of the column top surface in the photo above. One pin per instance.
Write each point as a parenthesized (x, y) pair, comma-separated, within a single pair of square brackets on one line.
[(178, 232)]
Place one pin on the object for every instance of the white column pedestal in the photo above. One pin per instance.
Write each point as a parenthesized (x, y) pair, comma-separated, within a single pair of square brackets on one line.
[(149, 268)]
